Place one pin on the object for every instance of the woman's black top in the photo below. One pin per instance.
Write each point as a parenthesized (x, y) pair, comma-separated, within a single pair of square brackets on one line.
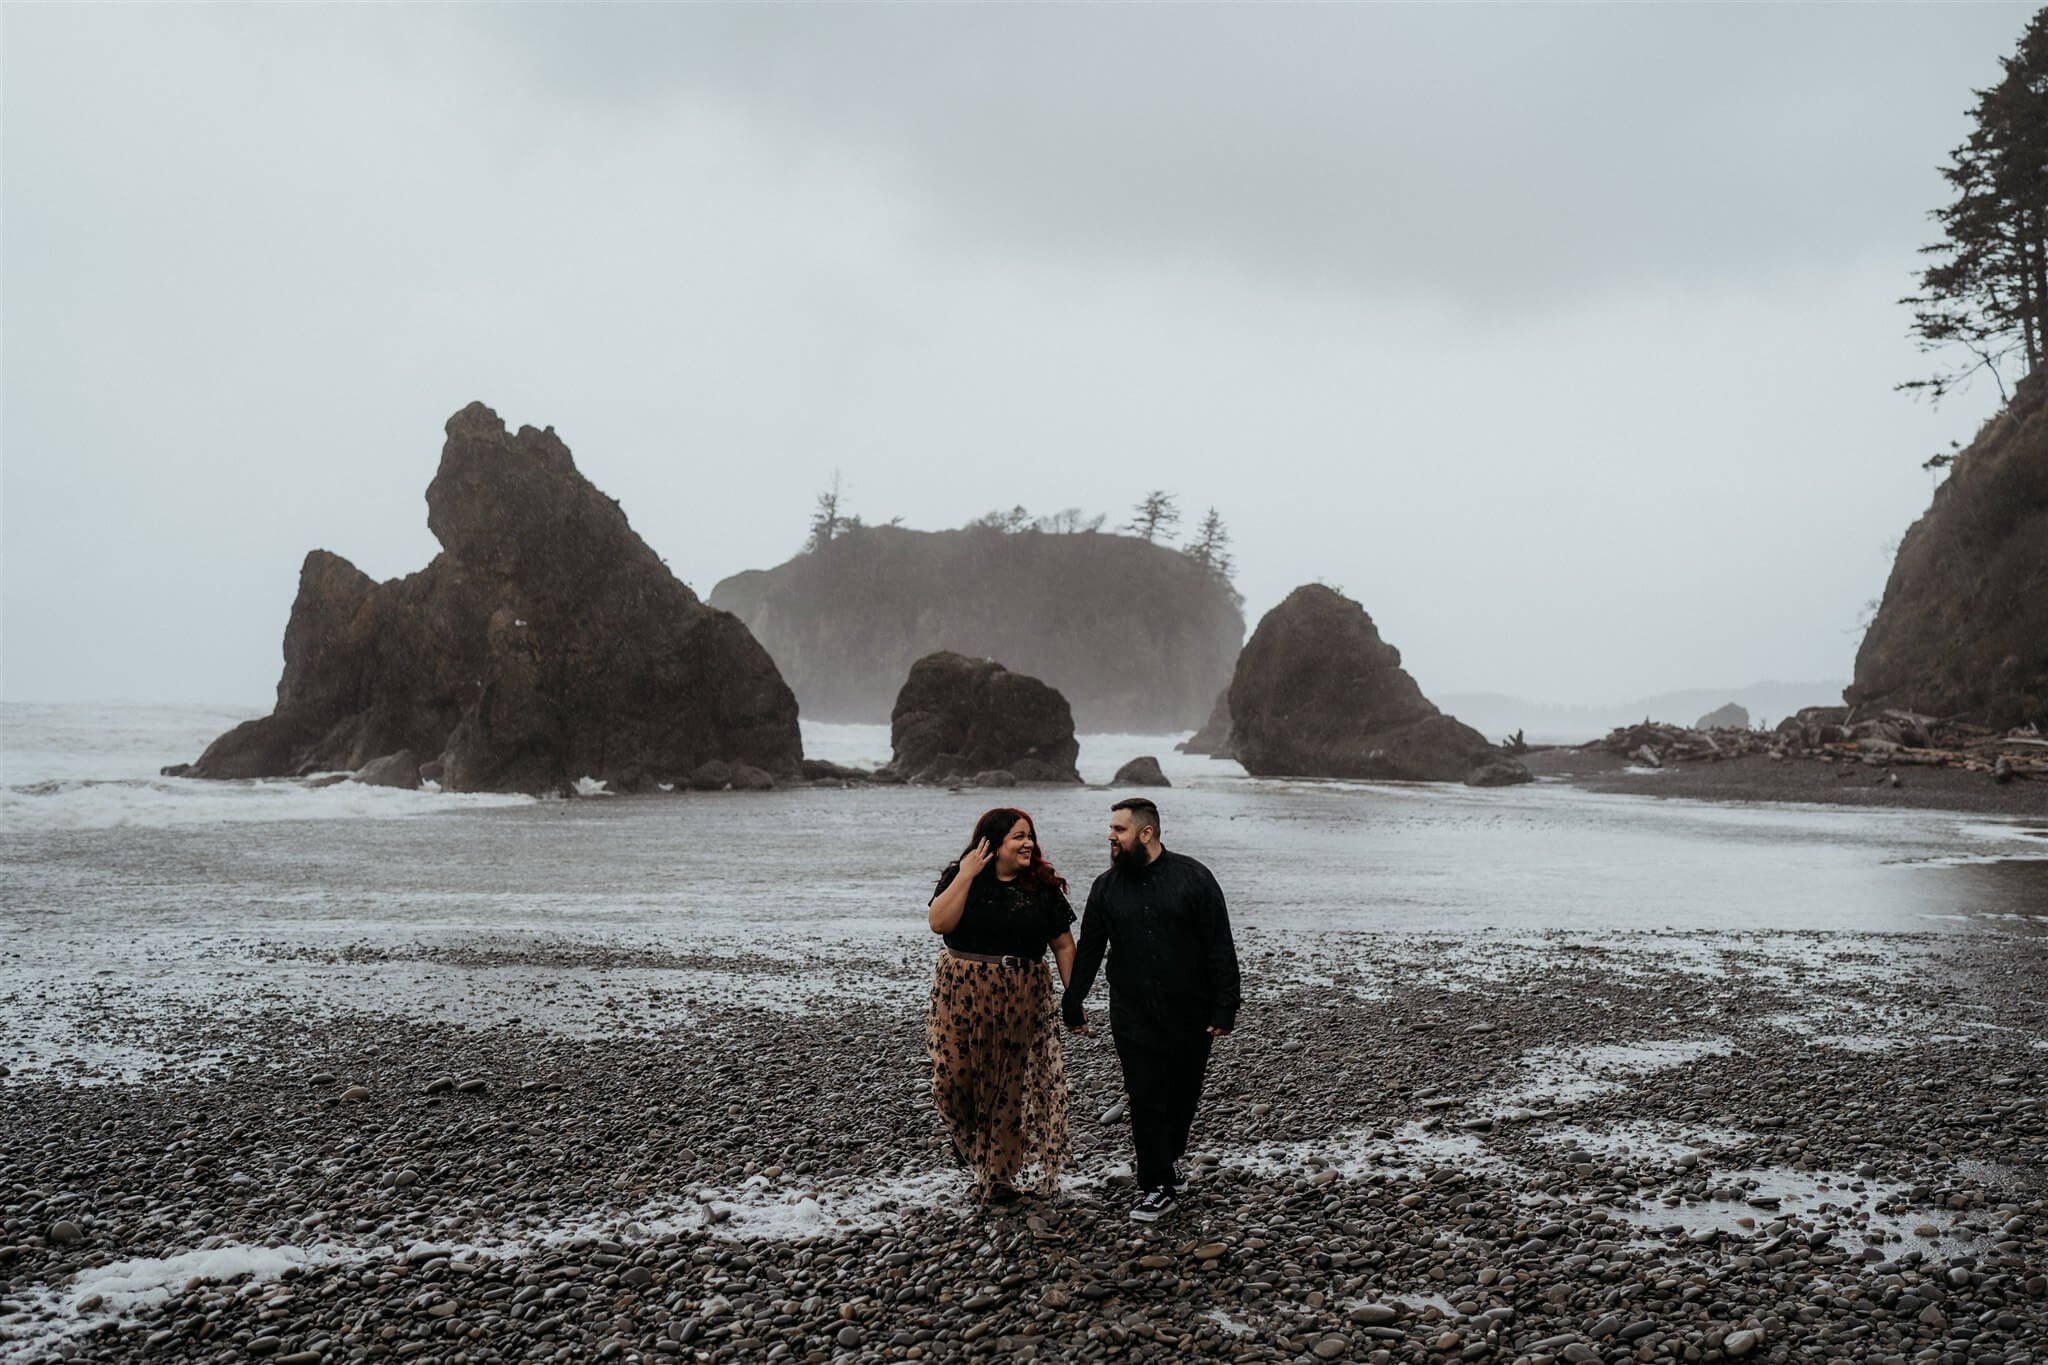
[(1006, 918)]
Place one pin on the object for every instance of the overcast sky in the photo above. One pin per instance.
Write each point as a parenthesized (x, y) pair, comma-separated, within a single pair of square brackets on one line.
[(1563, 339)]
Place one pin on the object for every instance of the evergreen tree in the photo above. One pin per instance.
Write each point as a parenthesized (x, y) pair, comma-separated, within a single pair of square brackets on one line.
[(1987, 290), (1156, 514), (1009, 523), (826, 522), (1210, 547)]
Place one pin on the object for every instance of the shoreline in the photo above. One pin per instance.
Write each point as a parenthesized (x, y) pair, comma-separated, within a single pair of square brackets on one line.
[(1755, 778)]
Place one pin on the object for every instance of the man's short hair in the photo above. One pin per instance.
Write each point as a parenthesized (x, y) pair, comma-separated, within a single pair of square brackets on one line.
[(1142, 810)]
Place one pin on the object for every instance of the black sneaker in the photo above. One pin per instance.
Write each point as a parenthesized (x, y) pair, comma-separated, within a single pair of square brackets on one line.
[(1154, 1206)]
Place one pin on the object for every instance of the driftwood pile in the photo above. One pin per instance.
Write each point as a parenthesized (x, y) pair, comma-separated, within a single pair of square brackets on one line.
[(1839, 734)]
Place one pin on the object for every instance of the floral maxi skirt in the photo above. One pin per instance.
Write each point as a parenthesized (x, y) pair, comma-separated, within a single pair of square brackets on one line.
[(998, 1077)]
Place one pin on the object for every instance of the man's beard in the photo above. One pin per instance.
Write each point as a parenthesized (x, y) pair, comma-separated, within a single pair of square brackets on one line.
[(1120, 856)]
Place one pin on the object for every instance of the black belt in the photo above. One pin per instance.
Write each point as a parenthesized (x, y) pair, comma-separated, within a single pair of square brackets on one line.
[(1000, 959)]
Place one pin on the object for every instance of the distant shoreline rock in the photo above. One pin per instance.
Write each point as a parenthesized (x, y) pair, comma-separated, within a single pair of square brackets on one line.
[(1318, 693), (1137, 636), (1729, 717), (1213, 738), (958, 719), (546, 643)]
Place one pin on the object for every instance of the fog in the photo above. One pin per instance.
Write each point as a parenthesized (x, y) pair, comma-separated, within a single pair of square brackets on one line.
[(1562, 339)]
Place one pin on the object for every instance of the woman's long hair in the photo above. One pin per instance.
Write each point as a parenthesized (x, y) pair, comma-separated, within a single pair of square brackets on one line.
[(995, 826)]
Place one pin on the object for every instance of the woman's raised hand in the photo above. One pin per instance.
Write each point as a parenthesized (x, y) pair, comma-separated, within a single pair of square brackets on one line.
[(975, 859)]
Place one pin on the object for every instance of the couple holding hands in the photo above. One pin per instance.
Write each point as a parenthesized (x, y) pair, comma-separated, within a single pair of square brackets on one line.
[(998, 1077)]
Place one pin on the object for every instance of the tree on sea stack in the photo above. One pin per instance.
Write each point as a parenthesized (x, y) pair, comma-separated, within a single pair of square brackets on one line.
[(1210, 547), (826, 521), (1987, 291), (1156, 514)]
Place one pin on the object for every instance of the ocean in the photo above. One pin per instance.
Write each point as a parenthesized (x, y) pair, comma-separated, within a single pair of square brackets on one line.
[(233, 895)]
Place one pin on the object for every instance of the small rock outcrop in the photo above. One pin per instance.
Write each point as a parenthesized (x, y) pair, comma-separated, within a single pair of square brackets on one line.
[(1213, 738), (1140, 772), (1319, 694), (1962, 632), (956, 718), (544, 644), (1729, 717)]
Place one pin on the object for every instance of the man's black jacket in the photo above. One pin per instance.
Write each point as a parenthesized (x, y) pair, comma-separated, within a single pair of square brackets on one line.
[(1172, 964)]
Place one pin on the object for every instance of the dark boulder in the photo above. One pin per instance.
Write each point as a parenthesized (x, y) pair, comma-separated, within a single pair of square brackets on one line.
[(747, 778), (1213, 738), (401, 769), (956, 717), (1497, 772), (818, 770), (544, 644), (1319, 694), (996, 777), (1140, 772), (713, 775)]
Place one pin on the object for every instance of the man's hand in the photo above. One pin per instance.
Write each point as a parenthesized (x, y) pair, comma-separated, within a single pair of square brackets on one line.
[(1081, 1027), (1215, 1032)]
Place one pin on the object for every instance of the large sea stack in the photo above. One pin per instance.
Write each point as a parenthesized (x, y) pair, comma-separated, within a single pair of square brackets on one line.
[(1963, 629), (958, 718), (1136, 636), (1319, 694), (545, 643)]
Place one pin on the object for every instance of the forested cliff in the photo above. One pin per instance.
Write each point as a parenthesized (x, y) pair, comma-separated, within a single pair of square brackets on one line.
[(1136, 635), (1963, 628)]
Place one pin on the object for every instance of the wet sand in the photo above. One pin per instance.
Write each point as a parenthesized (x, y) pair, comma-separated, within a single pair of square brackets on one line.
[(1547, 1146)]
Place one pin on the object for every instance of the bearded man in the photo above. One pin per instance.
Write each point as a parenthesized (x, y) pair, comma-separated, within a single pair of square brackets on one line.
[(1173, 988)]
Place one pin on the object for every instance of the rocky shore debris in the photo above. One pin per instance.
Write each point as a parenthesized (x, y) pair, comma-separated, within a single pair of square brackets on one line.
[(544, 644), (1843, 735), (959, 719), (1318, 693)]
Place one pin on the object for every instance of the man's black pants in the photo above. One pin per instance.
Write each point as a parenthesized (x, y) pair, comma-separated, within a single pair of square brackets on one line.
[(1163, 1078)]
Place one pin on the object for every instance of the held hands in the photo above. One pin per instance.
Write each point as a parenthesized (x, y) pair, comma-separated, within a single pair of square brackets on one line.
[(1215, 1032), (975, 859), (1082, 1027)]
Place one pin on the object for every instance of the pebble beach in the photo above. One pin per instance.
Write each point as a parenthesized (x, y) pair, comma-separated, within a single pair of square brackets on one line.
[(613, 1080)]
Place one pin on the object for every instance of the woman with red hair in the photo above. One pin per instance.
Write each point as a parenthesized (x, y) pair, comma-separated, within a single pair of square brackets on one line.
[(998, 1078)]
